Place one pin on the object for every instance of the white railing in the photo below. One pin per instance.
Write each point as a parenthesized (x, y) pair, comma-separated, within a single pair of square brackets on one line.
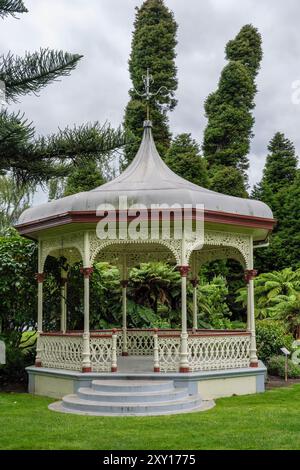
[(140, 342), (169, 352), (61, 351), (206, 351), (101, 353), (219, 351)]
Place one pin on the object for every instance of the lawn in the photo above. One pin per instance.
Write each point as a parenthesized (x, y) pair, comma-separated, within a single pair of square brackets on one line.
[(265, 421)]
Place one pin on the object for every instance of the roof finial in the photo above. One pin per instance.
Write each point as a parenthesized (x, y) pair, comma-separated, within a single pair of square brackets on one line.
[(148, 80)]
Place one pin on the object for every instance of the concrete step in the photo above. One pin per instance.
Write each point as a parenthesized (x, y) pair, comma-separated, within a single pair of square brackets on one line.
[(73, 403), (171, 394), (128, 385), (130, 397)]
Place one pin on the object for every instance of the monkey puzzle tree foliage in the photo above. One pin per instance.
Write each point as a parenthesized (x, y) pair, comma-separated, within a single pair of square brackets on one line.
[(229, 109), (20, 151), (183, 157), (153, 47), (11, 7)]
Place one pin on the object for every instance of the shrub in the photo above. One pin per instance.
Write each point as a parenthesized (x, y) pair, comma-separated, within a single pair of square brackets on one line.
[(276, 366), (270, 337), (20, 353)]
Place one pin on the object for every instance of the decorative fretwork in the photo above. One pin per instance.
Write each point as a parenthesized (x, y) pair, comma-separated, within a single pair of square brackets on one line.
[(240, 241), (140, 343), (69, 246), (223, 245), (130, 247), (101, 353), (61, 352), (209, 254), (218, 352), (169, 353)]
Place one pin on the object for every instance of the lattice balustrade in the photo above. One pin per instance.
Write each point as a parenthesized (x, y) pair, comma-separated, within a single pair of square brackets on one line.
[(169, 353), (219, 352), (101, 353), (61, 352), (140, 343)]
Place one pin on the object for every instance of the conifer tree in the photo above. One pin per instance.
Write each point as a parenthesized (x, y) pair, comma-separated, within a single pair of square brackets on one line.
[(183, 157), (280, 188), (229, 109), (24, 155), (280, 168), (153, 47)]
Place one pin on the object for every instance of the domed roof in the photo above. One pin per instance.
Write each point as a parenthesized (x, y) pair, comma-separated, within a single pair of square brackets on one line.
[(146, 181)]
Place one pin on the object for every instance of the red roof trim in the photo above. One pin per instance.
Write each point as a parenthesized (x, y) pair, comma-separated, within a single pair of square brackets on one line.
[(219, 217)]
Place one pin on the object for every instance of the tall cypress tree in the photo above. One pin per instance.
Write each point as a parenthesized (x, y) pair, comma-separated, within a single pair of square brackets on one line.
[(229, 109), (153, 47)]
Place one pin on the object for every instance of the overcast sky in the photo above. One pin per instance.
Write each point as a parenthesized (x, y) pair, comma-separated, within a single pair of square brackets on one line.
[(101, 31)]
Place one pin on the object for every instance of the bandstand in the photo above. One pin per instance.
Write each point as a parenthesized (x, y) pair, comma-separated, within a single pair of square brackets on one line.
[(212, 362)]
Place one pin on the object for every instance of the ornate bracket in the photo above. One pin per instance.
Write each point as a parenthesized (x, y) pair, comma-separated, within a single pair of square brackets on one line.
[(40, 277), (87, 272), (124, 283), (195, 282), (184, 270), (249, 275)]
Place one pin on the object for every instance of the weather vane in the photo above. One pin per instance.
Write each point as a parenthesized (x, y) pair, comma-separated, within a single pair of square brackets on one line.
[(148, 80)]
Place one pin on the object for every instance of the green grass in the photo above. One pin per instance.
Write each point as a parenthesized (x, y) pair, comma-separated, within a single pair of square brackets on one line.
[(265, 421)]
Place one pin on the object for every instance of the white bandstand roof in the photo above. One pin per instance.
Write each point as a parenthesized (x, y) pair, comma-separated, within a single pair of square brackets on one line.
[(147, 181)]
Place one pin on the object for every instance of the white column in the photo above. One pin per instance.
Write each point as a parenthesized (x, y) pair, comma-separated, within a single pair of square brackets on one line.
[(195, 304), (40, 276), (156, 365), (63, 300), (124, 284), (248, 308), (250, 276), (184, 363), (114, 365), (87, 271)]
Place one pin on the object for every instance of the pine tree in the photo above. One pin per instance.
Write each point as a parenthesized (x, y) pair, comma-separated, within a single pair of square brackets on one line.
[(153, 47), (183, 157), (280, 188), (21, 153), (228, 180), (11, 7), (229, 109), (84, 178), (246, 49), (281, 165)]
